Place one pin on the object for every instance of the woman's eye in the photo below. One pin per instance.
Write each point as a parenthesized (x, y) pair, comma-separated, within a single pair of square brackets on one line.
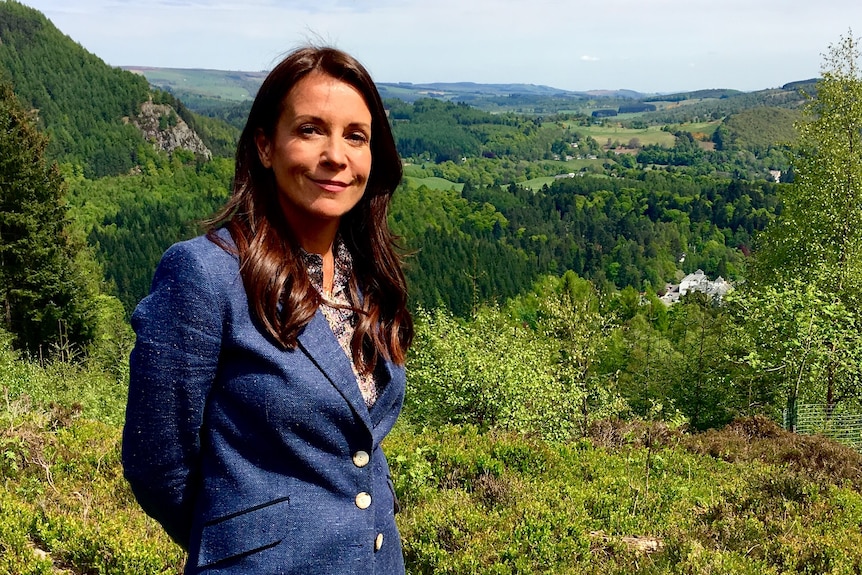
[(308, 130), (358, 137)]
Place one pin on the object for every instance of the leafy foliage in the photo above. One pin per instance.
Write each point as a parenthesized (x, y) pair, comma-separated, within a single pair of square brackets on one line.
[(806, 289)]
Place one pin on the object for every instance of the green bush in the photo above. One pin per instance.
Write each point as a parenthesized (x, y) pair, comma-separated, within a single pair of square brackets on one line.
[(497, 371)]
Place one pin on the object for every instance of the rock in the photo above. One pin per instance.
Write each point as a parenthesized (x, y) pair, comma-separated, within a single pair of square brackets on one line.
[(161, 125), (641, 544)]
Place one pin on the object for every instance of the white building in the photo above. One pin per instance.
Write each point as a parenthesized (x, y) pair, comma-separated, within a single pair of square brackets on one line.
[(698, 281)]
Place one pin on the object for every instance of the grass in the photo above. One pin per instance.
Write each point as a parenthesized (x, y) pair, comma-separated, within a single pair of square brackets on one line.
[(211, 83), (650, 135)]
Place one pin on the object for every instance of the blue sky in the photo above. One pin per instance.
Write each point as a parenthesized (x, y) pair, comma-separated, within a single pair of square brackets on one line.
[(643, 45)]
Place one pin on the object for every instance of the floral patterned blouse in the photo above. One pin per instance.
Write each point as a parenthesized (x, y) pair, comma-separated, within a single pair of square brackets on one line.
[(337, 309)]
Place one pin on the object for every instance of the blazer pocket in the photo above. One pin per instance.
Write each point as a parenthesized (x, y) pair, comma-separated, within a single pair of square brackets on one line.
[(396, 506), (245, 532)]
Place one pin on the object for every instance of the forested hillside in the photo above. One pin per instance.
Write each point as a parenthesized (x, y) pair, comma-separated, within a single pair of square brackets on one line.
[(492, 202), (80, 101), (640, 231), (83, 104)]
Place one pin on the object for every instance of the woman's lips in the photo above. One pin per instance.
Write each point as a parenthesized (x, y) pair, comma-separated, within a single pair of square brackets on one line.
[(331, 185)]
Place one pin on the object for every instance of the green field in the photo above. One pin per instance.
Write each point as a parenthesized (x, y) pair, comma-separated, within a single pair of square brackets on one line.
[(651, 135), (702, 127), (210, 83), (537, 183), (570, 167)]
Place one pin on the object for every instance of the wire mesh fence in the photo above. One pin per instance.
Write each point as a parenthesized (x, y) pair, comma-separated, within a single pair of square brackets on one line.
[(844, 426)]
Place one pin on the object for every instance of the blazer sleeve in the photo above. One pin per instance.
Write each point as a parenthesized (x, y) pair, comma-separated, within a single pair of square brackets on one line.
[(172, 369)]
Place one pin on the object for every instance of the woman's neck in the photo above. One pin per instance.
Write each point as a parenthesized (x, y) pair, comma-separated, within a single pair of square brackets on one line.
[(324, 246)]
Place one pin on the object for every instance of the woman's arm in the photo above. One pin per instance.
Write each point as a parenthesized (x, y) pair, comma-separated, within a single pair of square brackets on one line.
[(173, 365)]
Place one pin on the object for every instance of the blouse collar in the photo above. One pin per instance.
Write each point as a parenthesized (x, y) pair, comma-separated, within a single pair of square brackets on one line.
[(343, 269)]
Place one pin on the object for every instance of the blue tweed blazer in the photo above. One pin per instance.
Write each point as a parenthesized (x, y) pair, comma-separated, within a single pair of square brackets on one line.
[(254, 458)]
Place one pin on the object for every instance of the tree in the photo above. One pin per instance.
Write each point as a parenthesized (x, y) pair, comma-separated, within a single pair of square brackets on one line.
[(43, 289), (819, 235), (804, 344), (808, 271), (569, 317)]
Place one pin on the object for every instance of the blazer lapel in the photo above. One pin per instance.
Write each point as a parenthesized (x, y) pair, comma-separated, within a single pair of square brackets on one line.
[(385, 410), (319, 343)]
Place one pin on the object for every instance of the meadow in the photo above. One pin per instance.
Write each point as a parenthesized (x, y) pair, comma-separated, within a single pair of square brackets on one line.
[(236, 86)]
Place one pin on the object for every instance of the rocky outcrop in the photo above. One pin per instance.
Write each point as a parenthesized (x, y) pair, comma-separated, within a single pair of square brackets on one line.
[(161, 125)]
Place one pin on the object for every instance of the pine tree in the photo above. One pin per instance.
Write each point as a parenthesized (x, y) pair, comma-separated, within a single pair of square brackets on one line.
[(43, 298)]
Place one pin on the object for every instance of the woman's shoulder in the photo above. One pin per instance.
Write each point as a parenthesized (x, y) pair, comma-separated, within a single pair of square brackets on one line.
[(200, 274), (208, 255), (204, 262)]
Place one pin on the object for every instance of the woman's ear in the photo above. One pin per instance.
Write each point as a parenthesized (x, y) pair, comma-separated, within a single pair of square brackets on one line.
[(263, 148)]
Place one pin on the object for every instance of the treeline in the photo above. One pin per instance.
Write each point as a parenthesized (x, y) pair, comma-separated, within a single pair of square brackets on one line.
[(492, 243), (442, 131)]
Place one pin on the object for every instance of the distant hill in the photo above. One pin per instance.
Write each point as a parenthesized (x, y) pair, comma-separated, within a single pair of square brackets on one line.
[(458, 90), (238, 86), (225, 93), (707, 105), (695, 95), (805, 85), (216, 84), (758, 129)]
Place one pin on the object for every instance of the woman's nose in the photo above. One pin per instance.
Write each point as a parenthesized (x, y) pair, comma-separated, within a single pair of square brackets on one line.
[(335, 152)]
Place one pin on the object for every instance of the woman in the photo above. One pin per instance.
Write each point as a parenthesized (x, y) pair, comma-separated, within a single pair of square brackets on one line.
[(269, 358)]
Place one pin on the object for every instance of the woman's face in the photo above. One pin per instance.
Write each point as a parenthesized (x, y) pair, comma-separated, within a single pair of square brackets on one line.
[(320, 152)]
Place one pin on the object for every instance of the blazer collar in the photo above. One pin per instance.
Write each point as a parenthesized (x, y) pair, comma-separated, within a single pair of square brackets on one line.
[(318, 342)]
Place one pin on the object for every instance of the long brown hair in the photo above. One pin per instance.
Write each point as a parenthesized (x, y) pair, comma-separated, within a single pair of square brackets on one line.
[(280, 294)]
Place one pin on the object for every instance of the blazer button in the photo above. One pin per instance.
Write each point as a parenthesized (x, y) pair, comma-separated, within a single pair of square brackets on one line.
[(378, 542), (361, 458), (363, 500)]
